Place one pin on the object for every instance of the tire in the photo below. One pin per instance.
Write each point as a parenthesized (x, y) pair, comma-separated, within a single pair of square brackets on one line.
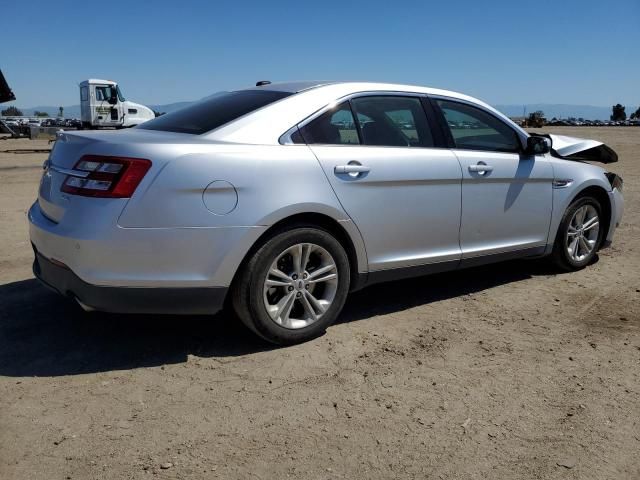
[(301, 304), (571, 229)]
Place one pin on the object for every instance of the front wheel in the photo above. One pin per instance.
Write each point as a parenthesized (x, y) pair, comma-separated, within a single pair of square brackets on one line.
[(294, 286), (579, 235)]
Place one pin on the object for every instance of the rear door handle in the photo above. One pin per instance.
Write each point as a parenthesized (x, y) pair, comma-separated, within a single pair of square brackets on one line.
[(351, 168)]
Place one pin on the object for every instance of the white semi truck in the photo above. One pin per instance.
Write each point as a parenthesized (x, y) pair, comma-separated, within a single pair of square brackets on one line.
[(102, 105)]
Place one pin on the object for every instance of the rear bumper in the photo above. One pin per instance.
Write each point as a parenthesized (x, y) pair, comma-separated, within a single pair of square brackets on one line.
[(162, 300), (102, 253)]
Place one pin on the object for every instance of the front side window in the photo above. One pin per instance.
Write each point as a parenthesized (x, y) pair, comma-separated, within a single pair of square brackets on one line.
[(103, 94), (474, 129), (213, 111), (334, 127), (392, 121)]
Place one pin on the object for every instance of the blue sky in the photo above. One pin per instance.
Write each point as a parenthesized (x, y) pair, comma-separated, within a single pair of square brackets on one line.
[(505, 52)]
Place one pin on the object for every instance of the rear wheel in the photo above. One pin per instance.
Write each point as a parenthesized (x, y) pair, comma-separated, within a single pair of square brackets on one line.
[(294, 286), (579, 235)]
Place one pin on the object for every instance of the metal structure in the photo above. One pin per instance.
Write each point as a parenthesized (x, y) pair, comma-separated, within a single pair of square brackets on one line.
[(7, 95)]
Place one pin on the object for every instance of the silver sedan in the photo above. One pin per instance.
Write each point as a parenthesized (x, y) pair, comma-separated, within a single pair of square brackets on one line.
[(278, 200)]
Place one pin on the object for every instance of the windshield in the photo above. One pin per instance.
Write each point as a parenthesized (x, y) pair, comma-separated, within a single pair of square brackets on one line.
[(213, 111)]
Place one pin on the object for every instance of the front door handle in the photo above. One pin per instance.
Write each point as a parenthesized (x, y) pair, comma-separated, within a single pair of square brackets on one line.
[(352, 168), (480, 168)]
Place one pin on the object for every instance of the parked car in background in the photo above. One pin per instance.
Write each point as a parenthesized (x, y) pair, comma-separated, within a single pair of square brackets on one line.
[(283, 198)]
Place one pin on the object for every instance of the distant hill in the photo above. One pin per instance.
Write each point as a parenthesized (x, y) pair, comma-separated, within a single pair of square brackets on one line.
[(170, 107), (589, 112), (73, 111)]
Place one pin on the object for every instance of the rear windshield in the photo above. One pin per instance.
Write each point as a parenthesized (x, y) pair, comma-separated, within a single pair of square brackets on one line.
[(214, 111)]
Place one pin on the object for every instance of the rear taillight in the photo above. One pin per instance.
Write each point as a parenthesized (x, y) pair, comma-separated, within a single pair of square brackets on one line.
[(106, 177)]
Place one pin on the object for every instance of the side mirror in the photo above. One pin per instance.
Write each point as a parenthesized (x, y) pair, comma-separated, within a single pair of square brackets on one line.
[(538, 145)]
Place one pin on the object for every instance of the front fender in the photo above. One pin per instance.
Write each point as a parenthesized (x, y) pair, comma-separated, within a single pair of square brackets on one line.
[(564, 196)]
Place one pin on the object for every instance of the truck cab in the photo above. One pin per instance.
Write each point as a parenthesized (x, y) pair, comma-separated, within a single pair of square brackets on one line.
[(102, 105)]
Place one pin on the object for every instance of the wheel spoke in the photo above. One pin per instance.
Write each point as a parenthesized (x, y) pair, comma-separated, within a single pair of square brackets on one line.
[(276, 272), (307, 248), (284, 306), (589, 224), (308, 308), (296, 254), (276, 283), (315, 302), (571, 231), (573, 247), (585, 246), (574, 221), (316, 273), (285, 315), (324, 278), (580, 214)]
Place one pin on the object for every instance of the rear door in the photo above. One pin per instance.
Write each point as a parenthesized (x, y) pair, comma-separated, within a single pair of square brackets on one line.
[(402, 193), (506, 194)]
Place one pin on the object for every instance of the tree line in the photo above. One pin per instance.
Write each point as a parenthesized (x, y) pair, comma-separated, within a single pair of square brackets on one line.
[(16, 112), (619, 114)]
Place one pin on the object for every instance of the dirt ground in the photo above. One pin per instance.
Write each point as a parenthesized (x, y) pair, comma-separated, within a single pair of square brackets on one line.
[(509, 371)]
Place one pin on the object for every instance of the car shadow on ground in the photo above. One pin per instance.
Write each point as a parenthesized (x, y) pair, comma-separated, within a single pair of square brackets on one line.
[(44, 334)]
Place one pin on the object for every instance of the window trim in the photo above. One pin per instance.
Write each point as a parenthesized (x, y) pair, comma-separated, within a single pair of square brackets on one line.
[(439, 129), (285, 138), (442, 122)]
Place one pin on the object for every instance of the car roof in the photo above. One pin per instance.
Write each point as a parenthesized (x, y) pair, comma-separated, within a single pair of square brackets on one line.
[(291, 87), (266, 125), (300, 86)]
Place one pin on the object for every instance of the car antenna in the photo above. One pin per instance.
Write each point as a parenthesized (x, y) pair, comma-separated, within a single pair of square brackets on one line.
[(262, 82)]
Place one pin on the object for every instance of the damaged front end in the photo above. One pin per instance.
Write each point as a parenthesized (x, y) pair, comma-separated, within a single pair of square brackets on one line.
[(581, 149)]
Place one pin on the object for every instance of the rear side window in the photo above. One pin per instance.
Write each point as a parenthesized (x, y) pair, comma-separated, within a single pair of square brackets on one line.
[(214, 111), (334, 127), (475, 129), (391, 121)]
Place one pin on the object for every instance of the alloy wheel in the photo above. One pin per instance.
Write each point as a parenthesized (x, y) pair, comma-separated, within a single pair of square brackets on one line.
[(582, 233), (300, 285)]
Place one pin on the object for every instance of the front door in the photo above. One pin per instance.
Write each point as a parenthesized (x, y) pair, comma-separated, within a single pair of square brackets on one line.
[(106, 113), (402, 194), (506, 194)]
